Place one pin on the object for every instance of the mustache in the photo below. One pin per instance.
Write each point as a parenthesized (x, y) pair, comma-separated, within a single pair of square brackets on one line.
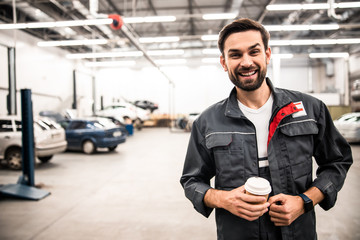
[(247, 69)]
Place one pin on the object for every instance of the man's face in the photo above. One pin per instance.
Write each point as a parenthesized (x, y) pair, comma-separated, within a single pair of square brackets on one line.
[(245, 59)]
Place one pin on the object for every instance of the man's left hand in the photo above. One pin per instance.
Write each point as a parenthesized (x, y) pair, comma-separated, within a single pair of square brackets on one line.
[(284, 209)]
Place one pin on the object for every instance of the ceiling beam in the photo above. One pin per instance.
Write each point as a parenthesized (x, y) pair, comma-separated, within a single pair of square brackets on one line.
[(161, 27), (191, 20)]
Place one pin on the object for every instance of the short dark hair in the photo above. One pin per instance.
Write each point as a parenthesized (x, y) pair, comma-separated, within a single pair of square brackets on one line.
[(242, 25)]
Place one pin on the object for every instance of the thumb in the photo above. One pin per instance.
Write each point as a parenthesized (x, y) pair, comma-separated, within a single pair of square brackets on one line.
[(275, 199)]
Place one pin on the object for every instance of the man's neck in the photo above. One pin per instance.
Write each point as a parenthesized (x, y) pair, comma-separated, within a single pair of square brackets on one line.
[(254, 99)]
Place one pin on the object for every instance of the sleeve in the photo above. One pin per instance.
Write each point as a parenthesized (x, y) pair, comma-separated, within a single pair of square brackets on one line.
[(197, 172), (334, 158)]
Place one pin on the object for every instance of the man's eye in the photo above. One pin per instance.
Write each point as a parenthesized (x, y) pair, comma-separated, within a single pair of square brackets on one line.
[(254, 52)]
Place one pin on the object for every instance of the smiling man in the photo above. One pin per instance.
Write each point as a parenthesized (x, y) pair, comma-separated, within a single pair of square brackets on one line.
[(260, 130)]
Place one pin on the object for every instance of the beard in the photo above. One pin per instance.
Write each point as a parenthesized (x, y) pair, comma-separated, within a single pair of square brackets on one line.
[(248, 85)]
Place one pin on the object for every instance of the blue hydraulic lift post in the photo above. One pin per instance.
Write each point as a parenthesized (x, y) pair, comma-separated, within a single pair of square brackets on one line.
[(28, 145), (25, 187)]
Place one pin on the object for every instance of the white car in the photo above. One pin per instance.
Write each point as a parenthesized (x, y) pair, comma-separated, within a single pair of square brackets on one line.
[(49, 139), (125, 110), (349, 126)]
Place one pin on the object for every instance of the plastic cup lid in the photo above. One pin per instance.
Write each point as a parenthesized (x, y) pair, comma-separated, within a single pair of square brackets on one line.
[(258, 186)]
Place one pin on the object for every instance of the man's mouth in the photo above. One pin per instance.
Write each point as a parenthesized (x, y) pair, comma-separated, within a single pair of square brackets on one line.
[(247, 74)]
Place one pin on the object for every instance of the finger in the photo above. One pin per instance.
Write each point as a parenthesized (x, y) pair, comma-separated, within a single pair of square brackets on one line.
[(250, 215), (275, 215), (277, 208), (280, 222), (252, 207), (276, 198), (253, 199)]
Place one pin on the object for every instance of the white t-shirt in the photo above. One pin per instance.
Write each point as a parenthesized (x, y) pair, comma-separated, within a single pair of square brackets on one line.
[(260, 118)]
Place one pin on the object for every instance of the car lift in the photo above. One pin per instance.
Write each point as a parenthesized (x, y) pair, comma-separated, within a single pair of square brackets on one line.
[(25, 186)]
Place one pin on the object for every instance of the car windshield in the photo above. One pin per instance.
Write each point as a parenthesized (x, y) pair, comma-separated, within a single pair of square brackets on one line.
[(51, 124), (95, 125), (350, 118), (42, 125), (106, 123)]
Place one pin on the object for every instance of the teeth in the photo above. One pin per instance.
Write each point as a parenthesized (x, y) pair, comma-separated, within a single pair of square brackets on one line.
[(248, 73)]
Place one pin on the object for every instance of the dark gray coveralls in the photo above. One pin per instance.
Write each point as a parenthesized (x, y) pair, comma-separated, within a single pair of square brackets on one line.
[(223, 144)]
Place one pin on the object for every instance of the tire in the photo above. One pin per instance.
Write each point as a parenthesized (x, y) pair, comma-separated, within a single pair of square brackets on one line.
[(111, 149), (88, 147), (45, 159), (14, 159), (138, 124)]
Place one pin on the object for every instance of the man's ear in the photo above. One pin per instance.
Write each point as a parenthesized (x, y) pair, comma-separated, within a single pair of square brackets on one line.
[(223, 63), (268, 55)]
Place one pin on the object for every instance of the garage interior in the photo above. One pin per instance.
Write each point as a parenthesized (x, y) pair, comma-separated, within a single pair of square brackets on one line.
[(164, 52)]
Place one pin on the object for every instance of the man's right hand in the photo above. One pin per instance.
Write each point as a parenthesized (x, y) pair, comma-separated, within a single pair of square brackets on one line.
[(237, 202)]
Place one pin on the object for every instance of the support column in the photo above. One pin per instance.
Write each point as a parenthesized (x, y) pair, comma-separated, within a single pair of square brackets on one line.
[(11, 97)]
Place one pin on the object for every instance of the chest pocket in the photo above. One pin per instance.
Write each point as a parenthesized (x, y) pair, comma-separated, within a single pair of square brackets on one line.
[(228, 155), (298, 138), (306, 127)]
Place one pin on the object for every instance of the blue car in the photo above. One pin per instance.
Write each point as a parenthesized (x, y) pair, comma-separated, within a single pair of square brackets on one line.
[(89, 134)]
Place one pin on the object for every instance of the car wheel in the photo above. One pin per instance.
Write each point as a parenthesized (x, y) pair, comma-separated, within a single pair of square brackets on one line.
[(14, 159), (45, 159), (112, 148), (138, 124), (88, 147)]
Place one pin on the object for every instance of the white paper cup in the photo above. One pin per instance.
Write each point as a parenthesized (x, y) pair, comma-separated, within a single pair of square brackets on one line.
[(258, 186)]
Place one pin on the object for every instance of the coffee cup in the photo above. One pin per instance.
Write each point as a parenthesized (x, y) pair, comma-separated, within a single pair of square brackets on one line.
[(258, 186)]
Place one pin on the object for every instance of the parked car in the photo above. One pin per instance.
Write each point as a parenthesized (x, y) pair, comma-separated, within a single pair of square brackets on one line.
[(49, 139), (123, 111), (349, 126), (147, 105), (56, 116), (91, 133)]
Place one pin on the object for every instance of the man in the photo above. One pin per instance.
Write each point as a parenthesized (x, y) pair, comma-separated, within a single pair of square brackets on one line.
[(260, 130)]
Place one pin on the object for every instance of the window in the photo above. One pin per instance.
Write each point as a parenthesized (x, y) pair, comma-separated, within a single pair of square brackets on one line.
[(6, 126), (18, 126), (77, 125)]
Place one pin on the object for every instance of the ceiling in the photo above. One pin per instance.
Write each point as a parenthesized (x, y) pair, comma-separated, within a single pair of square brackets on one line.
[(189, 25)]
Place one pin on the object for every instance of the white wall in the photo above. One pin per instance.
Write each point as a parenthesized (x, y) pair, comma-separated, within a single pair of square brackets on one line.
[(194, 88)]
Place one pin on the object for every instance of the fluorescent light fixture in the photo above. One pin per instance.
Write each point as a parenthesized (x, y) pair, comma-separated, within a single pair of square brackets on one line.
[(134, 20), (166, 52), (304, 42), (160, 19), (56, 24), (282, 55), (170, 61), (111, 64), (315, 27), (210, 60), (310, 6), (73, 42), (125, 54), (150, 19), (158, 39), (211, 51), (218, 16), (209, 37), (104, 55), (329, 55)]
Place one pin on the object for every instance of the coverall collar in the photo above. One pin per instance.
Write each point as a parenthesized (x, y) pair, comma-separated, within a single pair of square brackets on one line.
[(232, 107)]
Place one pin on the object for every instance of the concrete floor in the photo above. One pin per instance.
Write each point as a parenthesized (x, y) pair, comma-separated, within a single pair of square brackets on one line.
[(134, 193)]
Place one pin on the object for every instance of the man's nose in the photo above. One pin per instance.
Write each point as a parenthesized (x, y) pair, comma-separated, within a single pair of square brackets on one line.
[(246, 61)]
